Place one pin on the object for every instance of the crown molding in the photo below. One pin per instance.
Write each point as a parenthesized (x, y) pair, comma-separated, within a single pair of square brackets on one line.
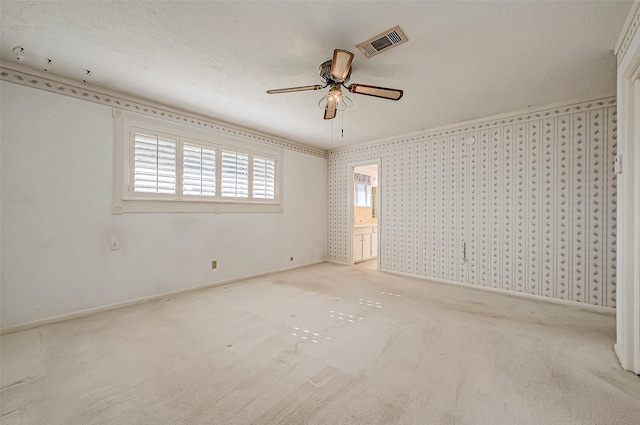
[(29, 77), (628, 31), (549, 111)]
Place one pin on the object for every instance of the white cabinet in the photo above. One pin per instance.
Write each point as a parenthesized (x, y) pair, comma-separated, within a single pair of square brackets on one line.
[(365, 242), (357, 247), (366, 246)]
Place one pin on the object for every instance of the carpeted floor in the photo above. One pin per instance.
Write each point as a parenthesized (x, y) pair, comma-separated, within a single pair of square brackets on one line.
[(322, 345)]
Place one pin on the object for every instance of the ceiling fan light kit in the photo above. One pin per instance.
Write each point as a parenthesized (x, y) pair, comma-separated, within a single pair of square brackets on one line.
[(335, 73)]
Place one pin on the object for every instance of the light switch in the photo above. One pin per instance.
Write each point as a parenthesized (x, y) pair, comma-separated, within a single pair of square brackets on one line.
[(115, 243)]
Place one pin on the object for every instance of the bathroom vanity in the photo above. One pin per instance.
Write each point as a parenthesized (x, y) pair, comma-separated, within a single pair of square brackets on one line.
[(365, 242)]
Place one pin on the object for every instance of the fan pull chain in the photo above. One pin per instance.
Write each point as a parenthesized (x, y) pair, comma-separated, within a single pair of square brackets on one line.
[(331, 130)]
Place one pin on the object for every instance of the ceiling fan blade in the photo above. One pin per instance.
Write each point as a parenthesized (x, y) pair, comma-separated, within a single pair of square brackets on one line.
[(383, 92), (330, 109), (341, 64), (294, 89)]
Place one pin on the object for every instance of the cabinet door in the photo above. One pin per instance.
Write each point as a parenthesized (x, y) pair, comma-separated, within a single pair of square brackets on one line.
[(357, 247), (374, 243), (366, 245)]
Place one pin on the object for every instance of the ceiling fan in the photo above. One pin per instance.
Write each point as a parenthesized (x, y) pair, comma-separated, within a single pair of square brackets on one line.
[(335, 73)]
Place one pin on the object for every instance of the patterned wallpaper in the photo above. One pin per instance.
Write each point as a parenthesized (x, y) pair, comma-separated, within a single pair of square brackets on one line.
[(533, 199)]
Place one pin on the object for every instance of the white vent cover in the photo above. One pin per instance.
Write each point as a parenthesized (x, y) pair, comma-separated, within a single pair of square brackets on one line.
[(382, 42)]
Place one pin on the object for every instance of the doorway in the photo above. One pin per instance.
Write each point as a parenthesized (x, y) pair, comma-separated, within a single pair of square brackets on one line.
[(365, 214)]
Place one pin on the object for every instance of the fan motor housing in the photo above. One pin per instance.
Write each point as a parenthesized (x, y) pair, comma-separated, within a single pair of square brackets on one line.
[(325, 73)]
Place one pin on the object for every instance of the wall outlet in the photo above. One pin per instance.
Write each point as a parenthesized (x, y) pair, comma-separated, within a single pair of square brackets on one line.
[(214, 264), (114, 243)]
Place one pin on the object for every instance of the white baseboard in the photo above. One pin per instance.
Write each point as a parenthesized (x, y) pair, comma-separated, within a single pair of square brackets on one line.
[(341, 263), (82, 313), (574, 304)]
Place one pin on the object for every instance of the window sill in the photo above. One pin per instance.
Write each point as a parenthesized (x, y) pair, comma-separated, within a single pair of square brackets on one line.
[(177, 206)]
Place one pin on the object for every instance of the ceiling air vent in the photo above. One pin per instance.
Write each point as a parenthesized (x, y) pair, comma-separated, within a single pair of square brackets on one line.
[(382, 42)]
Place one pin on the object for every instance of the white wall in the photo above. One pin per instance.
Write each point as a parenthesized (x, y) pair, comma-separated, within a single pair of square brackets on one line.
[(534, 199), (56, 221)]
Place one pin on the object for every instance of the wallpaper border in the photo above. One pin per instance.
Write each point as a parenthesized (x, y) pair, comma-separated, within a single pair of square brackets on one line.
[(486, 123), (628, 32), (54, 84)]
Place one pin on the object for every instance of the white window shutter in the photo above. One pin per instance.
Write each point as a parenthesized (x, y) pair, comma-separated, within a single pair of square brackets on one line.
[(198, 170), (234, 174), (154, 164), (264, 178)]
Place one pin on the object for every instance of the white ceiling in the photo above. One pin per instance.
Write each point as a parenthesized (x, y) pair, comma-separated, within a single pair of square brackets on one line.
[(464, 60)]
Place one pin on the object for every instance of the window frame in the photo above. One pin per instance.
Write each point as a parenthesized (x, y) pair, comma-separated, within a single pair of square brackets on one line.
[(125, 199)]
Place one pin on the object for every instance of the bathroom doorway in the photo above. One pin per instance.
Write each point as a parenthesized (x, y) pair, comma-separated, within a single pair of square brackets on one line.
[(364, 232)]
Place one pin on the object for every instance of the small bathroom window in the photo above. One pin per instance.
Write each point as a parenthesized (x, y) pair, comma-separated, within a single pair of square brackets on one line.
[(362, 190)]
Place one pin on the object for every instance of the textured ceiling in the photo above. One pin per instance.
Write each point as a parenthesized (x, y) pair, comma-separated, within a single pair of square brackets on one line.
[(464, 60)]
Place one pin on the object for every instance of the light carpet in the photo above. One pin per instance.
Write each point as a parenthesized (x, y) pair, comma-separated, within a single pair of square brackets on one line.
[(325, 344)]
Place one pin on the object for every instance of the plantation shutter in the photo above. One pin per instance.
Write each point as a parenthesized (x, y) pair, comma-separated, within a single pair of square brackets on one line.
[(198, 170), (264, 178), (234, 174), (154, 164)]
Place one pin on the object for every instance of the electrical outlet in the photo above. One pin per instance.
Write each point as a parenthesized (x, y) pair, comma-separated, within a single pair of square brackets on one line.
[(214, 264)]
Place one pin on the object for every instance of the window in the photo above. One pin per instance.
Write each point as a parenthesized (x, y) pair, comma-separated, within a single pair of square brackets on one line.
[(171, 168), (198, 170), (361, 190), (264, 177), (235, 174), (154, 164), (362, 196)]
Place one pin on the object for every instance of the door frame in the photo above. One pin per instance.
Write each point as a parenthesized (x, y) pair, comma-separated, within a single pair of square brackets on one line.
[(627, 345), (351, 167)]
